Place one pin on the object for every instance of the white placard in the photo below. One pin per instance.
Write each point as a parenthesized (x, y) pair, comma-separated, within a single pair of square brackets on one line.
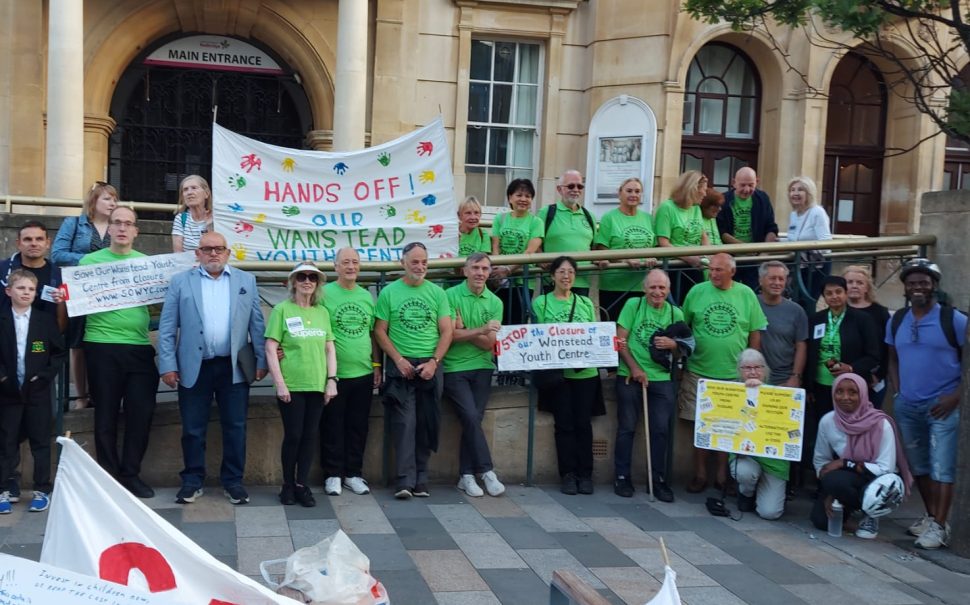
[(122, 284), (560, 345)]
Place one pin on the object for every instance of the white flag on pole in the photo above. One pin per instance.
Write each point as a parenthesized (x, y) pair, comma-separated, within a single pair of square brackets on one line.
[(667, 595), (96, 528)]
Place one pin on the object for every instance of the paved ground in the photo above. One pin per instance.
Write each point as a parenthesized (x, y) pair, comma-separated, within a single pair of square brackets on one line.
[(452, 550)]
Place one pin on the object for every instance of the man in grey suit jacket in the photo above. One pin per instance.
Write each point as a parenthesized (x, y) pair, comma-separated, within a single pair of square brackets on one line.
[(210, 343)]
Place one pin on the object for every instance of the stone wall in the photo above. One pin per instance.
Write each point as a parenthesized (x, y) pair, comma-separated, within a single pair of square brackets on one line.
[(946, 214), (154, 237)]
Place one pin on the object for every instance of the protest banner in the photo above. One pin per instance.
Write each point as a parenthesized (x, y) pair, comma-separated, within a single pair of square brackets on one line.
[(121, 284), (762, 421), (554, 346), (23, 581), (279, 204), (97, 528)]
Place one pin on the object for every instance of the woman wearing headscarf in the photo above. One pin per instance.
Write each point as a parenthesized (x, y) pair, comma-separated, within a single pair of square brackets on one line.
[(857, 444)]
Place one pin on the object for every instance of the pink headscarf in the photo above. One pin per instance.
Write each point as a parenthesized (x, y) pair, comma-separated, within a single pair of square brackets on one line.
[(863, 429)]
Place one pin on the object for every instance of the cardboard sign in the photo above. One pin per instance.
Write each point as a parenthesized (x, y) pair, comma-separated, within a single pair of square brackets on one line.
[(560, 345)]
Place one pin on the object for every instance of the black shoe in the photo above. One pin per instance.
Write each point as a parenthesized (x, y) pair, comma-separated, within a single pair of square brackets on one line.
[(584, 485), (568, 486), (286, 495), (623, 487), (188, 494), (237, 495), (421, 491), (662, 491), (138, 487), (746, 504), (304, 496)]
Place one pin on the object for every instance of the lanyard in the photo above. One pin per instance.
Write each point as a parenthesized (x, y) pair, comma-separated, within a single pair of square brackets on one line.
[(833, 324)]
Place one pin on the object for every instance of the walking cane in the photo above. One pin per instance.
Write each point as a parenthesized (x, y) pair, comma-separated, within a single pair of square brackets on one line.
[(646, 436)]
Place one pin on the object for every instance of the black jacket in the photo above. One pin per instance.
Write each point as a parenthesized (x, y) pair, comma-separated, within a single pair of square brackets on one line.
[(762, 216), (860, 343), (43, 359)]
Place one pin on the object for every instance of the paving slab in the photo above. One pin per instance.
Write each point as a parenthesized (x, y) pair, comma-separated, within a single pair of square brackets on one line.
[(489, 551), (323, 509), (647, 517), (216, 538), (523, 532), (693, 548), (255, 550), (497, 507), (309, 532), (208, 510), (866, 588), (592, 550), (385, 551), (460, 518), (362, 516), (404, 586), (620, 532), (447, 571), (419, 533), (546, 561), (553, 517), (631, 584), (651, 560), (583, 505), (750, 586), (516, 586), (708, 595), (485, 597), (261, 521)]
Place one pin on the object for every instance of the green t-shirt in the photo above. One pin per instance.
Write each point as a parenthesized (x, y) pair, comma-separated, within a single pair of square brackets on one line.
[(476, 310), (122, 326), (721, 321), (569, 232), (412, 314), (713, 233), (352, 319), (642, 320), (830, 347), (514, 232), (476, 240), (618, 231), (549, 309), (681, 227), (741, 209), (303, 333)]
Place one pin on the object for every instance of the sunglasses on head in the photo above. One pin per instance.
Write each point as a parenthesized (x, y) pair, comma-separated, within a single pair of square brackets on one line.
[(311, 277)]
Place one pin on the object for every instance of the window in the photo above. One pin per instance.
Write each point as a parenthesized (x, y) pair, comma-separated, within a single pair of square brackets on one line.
[(503, 106), (956, 169)]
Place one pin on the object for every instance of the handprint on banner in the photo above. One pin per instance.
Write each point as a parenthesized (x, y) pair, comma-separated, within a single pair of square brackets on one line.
[(288, 164), (243, 227), (237, 182), (388, 211), (249, 162), (235, 207), (384, 159), (259, 218), (415, 217), (290, 210), (429, 200), (425, 148), (239, 251), (446, 255), (340, 168), (435, 231), (426, 177)]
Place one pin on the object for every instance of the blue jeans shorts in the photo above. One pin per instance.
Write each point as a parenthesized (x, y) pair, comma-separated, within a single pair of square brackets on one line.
[(930, 444)]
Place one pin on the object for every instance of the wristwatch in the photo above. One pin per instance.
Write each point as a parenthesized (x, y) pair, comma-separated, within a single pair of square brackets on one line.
[(333, 378)]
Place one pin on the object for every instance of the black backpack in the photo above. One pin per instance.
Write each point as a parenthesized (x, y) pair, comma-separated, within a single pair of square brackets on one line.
[(551, 214), (946, 322)]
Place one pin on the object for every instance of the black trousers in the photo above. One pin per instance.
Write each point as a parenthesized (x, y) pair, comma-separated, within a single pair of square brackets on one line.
[(468, 390), (301, 425), (574, 429), (35, 419), (343, 428), (845, 485), (121, 373)]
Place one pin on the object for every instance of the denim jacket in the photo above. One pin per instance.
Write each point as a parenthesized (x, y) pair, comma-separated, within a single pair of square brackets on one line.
[(73, 240)]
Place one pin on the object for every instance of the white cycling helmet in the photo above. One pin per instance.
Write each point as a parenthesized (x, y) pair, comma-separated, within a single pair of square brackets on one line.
[(883, 495)]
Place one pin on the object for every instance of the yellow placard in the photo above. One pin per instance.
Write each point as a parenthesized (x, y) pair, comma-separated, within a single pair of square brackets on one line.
[(761, 421)]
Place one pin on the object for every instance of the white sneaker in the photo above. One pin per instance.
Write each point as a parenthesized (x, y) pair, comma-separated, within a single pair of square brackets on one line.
[(934, 537), (917, 528), (357, 485), (332, 486), (868, 528), (493, 486), (468, 485)]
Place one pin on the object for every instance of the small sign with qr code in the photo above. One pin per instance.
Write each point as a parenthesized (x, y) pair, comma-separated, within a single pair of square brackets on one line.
[(557, 346)]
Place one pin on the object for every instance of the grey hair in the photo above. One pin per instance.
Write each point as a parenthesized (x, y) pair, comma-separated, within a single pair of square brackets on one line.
[(811, 189), (347, 249), (733, 263), (471, 259), (771, 264), (752, 356)]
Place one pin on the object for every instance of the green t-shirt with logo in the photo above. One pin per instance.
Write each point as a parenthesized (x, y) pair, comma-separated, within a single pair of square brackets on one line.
[(618, 231), (412, 314), (514, 232), (741, 209), (721, 321), (476, 310), (476, 240), (303, 333), (713, 233), (641, 319), (830, 347), (681, 227), (352, 319), (122, 326), (548, 309), (570, 231)]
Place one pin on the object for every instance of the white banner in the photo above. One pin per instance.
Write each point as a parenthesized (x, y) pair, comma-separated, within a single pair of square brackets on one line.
[(279, 204), (122, 284), (552, 346), (96, 528), (24, 581)]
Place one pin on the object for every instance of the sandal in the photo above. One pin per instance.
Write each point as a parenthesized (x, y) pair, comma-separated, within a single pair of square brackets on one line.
[(696, 485)]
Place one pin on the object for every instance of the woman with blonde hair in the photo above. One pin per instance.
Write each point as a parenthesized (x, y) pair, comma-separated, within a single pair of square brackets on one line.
[(471, 237), (809, 222), (861, 291), (678, 222), (193, 215)]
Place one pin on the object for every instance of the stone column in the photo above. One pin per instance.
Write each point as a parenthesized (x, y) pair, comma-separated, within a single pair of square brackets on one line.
[(64, 142), (350, 88)]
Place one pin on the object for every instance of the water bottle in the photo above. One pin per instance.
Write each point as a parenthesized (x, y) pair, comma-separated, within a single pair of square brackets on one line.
[(835, 521)]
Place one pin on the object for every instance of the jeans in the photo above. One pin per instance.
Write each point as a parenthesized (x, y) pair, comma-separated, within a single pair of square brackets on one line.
[(195, 407), (930, 444), (629, 413)]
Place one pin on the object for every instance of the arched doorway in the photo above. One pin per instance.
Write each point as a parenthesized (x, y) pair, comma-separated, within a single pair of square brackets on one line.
[(721, 112), (956, 170), (855, 137), (164, 114)]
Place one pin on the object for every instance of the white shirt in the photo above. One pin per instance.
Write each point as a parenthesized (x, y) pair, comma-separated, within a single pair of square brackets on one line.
[(813, 225), (21, 323), (831, 441), (216, 316)]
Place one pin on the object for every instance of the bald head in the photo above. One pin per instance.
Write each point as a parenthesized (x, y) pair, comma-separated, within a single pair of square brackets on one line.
[(745, 181)]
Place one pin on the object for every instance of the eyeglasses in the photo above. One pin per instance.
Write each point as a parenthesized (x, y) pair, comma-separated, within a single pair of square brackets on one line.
[(310, 277), (125, 224), (98, 184), (751, 368), (579, 186), (211, 249)]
